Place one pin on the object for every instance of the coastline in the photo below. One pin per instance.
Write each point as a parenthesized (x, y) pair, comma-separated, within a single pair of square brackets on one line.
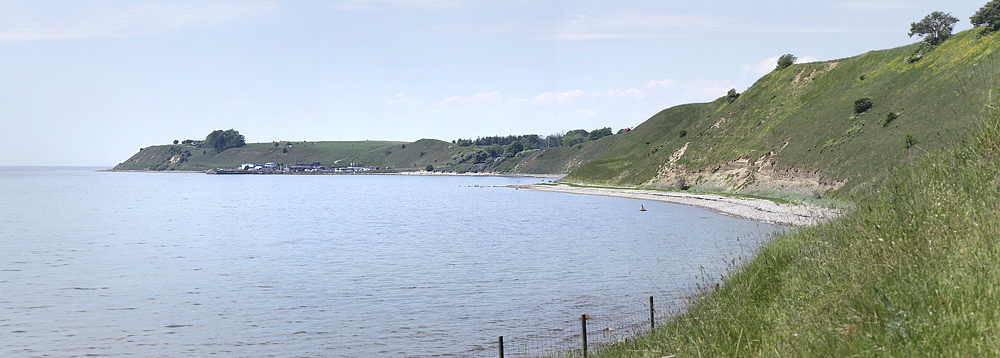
[(416, 172), (766, 211), (492, 174)]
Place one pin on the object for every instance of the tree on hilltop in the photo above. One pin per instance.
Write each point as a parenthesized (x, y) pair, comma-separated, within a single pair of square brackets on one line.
[(224, 139), (988, 17), (934, 28), (785, 61)]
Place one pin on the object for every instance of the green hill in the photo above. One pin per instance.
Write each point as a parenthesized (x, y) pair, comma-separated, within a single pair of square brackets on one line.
[(444, 156), (191, 158), (911, 272), (796, 129)]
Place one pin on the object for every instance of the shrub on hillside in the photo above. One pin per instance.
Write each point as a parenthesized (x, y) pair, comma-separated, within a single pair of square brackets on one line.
[(732, 96), (862, 105), (910, 140), (889, 117), (681, 184)]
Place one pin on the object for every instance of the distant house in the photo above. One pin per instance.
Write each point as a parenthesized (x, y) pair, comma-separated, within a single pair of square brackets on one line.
[(251, 166)]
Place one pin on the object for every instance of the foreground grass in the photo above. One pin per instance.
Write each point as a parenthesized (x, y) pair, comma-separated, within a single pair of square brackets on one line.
[(911, 271)]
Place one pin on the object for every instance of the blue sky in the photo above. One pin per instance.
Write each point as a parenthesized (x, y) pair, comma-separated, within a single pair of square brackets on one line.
[(90, 82)]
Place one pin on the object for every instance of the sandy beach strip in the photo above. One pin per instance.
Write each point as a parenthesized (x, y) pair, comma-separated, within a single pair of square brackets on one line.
[(477, 174), (745, 208)]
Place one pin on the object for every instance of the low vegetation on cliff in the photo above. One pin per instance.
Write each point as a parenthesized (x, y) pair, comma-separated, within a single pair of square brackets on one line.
[(821, 128)]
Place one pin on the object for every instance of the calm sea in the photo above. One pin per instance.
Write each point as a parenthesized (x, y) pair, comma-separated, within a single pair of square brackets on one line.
[(142, 264)]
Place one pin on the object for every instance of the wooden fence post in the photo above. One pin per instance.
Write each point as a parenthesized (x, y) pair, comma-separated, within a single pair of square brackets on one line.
[(652, 315)]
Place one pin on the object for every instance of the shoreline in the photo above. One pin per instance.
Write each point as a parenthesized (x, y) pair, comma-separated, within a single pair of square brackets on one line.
[(760, 210), (418, 173), (511, 175)]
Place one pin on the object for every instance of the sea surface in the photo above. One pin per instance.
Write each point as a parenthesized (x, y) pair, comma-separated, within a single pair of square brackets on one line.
[(194, 265)]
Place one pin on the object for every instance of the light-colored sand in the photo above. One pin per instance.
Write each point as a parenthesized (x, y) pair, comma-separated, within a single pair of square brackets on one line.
[(745, 208), (487, 174)]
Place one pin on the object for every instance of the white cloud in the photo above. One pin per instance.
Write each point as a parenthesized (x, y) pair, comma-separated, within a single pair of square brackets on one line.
[(769, 64), (401, 100), (98, 22), (399, 4), (479, 98), (492, 97), (556, 97), (456, 99), (761, 68), (805, 59)]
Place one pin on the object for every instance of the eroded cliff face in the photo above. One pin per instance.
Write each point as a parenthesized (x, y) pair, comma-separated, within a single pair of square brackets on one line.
[(741, 175)]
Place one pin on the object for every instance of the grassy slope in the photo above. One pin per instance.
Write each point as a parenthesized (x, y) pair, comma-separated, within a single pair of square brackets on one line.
[(557, 160), (800, 119), (206, 158), (411, 155), (912, 272), (397, 155)]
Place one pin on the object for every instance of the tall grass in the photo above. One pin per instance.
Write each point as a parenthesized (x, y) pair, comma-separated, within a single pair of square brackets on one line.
[(913, 270)]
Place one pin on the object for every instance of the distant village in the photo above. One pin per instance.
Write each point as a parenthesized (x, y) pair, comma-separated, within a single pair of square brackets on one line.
[(275, 168)]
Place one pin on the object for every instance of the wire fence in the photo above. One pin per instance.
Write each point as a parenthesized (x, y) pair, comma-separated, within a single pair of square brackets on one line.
[(580, 335), (574, 336)]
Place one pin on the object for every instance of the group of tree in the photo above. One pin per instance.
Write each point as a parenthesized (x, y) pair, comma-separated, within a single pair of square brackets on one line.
[(935, 28), (498, 145), (224, 139)]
